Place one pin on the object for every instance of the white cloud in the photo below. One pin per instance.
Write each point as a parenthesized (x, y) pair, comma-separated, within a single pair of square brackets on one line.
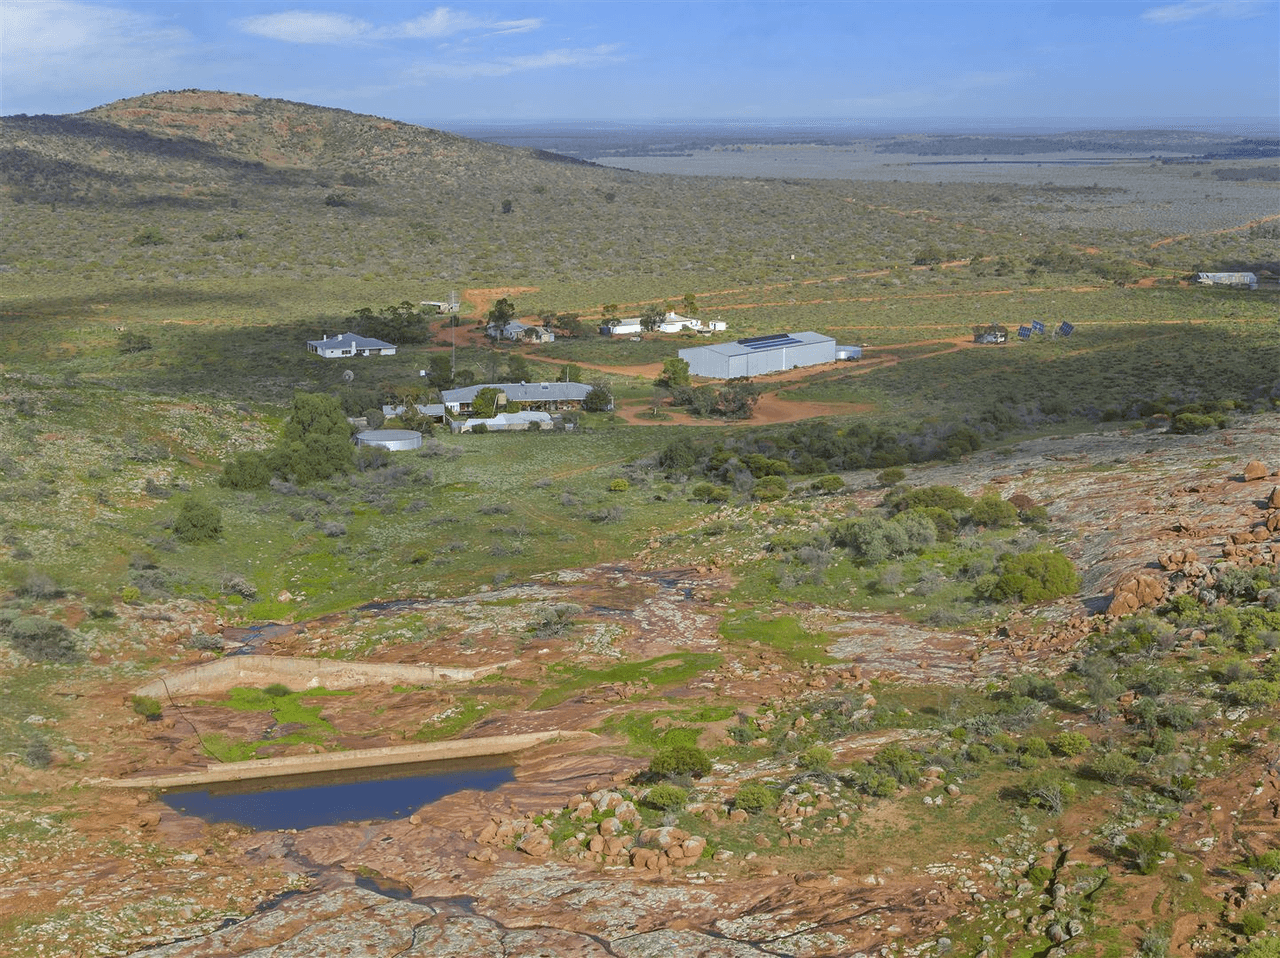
[(312, 26), (444, 22), (52, 50), (503, 66), (1196, 9), (305, 26)]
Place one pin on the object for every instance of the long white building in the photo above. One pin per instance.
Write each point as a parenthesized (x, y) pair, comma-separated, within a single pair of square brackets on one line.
[(759, 355)]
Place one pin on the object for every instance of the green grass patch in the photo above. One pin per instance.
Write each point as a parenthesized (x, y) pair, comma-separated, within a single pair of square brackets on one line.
[(662, 672), (639, 729), (783, 634)]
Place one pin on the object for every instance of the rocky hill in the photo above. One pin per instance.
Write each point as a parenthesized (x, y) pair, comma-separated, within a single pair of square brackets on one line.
[(197, 140)]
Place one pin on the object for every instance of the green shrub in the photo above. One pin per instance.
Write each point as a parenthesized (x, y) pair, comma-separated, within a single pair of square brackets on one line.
[(1251, 923), (277, 690), (827, 484), (1071, 744), (248, 470), (941, 497), (1145, 850), (1114, 768), (770, 489), (1188, 423), (1267, 863), (1033, 577), (817, 757), (706, 492), (994, 512), (147, 707), (197, 521), (1048, 789), (1035, 747), (680, 760), (943, 521), (619, 485), (1253, 692), (148, 237), (1261, 948), (891, 476), (43, 640), (666, 797), (899, 761), (754, 797), (678, 458)]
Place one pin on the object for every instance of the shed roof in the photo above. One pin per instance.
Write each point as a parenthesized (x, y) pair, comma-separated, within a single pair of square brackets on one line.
[(759, 344)]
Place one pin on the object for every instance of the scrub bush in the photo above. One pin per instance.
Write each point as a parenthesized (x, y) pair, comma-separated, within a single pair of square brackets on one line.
[(1032, 577), (754, 797), (197, 521), (666, 797), (680, 760)]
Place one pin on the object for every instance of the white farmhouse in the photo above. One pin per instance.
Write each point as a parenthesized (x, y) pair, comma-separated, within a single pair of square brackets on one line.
[(349, 344)]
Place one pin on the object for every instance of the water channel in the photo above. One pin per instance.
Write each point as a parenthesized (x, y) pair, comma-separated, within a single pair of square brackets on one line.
[(331, 798)]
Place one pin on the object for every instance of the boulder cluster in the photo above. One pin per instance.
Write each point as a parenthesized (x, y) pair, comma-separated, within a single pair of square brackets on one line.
[(610, 833), (1184, 572)]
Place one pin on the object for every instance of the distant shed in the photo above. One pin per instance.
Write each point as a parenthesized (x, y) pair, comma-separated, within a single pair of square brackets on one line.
[(759, 355), (1249, 280), (393, 439)]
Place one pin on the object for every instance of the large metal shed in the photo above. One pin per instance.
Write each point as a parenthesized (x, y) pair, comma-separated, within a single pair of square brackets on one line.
[(759, 355)]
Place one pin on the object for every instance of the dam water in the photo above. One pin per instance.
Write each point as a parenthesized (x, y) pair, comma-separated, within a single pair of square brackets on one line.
[(331, 798)]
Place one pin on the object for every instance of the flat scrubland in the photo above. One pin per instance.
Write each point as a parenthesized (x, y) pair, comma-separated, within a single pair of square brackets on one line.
[(859, 616)]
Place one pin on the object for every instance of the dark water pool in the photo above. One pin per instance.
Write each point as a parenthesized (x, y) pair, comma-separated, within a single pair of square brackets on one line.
[(329, 798)]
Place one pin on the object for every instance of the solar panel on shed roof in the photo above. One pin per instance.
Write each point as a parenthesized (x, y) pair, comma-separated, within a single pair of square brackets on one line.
[(770, 342)]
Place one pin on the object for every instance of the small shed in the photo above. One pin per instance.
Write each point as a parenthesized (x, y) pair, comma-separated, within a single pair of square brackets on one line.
[(393, 439), (1247, 280)]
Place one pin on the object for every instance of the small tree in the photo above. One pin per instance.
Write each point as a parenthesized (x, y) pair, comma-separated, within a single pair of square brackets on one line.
[(133, 343), (502, 313), (1049, 790), (485, 403), (197, 521), (675, 372), (651, 317), (599, 398)]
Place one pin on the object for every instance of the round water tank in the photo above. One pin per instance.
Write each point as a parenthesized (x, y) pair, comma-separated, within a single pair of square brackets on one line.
[(394, 439)]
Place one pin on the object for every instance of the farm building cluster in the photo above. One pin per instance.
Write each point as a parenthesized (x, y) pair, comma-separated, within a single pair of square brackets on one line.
[(530, 405), (670, 323)]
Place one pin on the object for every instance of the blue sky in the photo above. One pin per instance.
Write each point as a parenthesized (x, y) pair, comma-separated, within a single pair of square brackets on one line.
[(638, 61)]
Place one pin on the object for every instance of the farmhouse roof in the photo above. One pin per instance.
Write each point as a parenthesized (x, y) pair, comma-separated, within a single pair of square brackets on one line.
[(352, 340), (520, 392)]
